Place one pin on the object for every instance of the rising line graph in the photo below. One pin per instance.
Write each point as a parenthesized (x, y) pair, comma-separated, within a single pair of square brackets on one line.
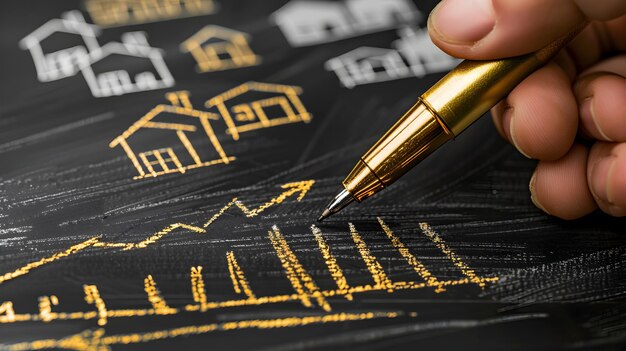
[(290, 190), (306, 291)]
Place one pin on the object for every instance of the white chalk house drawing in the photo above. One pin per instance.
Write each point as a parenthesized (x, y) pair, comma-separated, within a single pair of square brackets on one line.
[(366, 65), (413, 55), (216, 48), (108, 71), (64, 62), (159, 142), (105, 72), (311, 22)]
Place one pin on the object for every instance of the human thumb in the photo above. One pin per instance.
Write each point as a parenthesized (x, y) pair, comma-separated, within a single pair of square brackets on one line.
[(490, 29)]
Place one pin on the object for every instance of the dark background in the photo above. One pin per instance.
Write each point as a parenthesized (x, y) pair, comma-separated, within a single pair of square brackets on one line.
[(561, 284)]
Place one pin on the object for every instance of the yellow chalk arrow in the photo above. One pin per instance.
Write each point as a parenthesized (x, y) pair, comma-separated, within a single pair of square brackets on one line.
[(291, 189)]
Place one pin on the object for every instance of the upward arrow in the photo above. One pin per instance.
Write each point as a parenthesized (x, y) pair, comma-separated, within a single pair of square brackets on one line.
[(291, 189), (300, 188), (303, 187)]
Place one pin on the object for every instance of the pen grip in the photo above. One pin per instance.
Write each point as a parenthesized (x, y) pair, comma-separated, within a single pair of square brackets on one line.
[(473, 87)]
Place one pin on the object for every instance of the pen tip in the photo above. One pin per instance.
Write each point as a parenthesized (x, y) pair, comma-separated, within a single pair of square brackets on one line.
[(324, 215), (343, 199)]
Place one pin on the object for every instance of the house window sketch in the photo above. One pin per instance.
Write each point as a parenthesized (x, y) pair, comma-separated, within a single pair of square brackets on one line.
[(310, 22), (216, 48), (124, 12), (413, 55), (162, 159), (166, 128), (171, 124), (86, 57), (279, 105)]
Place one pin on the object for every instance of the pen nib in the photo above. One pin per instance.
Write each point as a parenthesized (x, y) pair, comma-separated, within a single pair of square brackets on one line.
[(324, 215), (343, 199)]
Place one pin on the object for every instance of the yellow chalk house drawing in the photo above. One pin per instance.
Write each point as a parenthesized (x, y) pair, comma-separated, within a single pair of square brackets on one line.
[(123, 12), (216, 48), (246, 116), (158, 161)]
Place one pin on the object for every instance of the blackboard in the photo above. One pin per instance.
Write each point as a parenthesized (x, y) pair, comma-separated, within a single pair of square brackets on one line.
[(159, 208)]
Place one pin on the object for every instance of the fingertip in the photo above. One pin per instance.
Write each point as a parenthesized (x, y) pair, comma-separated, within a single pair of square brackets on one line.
[(532, 186), (560, 187), (617, 181), (488, 29), (496, 115), (461, 22), (601, 106), (543, 116), (607, 177)]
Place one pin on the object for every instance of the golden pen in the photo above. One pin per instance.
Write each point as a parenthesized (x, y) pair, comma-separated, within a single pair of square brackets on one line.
[(440, 114)]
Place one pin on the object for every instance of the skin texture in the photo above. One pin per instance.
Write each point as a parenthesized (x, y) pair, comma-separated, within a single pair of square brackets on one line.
[(571, 114)]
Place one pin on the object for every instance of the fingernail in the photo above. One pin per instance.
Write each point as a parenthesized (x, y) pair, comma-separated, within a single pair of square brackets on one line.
[(506, 122), (533, 197), (462, 21), (600, 178), (588, 115), (615, 211), (507, 125)]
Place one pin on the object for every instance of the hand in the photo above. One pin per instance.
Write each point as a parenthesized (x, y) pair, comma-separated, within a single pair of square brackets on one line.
[(582, 92)]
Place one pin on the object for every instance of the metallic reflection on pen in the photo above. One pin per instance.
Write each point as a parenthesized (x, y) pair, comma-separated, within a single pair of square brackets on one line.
[(440, 114)]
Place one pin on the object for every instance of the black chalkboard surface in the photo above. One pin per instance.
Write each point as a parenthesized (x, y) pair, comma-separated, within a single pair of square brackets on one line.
[(162, 165)]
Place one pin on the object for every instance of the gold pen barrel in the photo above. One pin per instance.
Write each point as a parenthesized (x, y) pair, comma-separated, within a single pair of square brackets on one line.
[(473, 87), (441, 113), (413, 137)]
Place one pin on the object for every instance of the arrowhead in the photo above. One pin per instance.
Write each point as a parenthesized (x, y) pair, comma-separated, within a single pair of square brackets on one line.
[(301, 187)]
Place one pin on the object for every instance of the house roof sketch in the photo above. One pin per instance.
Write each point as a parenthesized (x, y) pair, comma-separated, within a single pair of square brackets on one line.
[(145, 121), (71, 22), (133, 44), (372, 14), (361, 53), (252, 86), (308, 22), (312, 22), (357, 67), (306, 6), (210, 32)]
